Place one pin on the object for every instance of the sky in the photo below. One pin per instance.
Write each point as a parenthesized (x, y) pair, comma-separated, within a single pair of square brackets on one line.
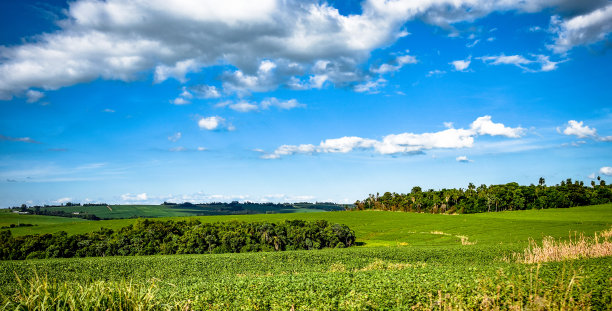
[(136, 102)]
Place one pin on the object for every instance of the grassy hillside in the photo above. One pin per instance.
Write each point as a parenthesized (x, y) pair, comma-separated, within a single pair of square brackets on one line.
[(186, 209), (374, 228), (406, 260)]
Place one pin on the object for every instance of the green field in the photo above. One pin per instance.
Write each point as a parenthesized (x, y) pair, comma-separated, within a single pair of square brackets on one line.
[(404, 260), (181, 210)]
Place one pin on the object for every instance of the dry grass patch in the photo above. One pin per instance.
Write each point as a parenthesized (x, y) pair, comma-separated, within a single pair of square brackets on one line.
[(600, 245), (465, 240)]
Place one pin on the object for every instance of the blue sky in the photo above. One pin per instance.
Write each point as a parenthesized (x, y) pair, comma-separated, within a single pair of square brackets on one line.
[(283, 101)]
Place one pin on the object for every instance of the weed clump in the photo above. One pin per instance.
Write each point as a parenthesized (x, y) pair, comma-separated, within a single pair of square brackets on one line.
[(600, 245)]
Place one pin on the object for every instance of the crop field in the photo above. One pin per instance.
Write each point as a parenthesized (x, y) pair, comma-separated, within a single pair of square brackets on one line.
[(181, 210), (402, 261)]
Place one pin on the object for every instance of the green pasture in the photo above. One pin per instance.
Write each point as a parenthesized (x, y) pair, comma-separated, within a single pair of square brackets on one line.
[(403, 261), (379, 228), (154, 211)]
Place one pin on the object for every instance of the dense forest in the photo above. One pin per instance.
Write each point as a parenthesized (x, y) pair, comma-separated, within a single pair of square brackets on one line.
[(147, 237), (493, 198)]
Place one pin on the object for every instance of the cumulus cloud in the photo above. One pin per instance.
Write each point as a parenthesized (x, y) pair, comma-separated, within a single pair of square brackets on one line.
[(582, 29), (461, 65), (33, 96), (177, 71), (484, 126), (243, 106), (206, 91), (536, 64), (19, 139), (268, 43), (606, 170), (579, 130), (181, 101), (215, 123), (404, 143), (134, 197)]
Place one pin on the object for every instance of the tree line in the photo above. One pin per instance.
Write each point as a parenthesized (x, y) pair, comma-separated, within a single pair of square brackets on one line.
[(147, 237), (506, 197)]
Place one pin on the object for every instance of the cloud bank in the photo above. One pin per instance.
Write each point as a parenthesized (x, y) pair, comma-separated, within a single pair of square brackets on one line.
[(268, 43), (404, 143)]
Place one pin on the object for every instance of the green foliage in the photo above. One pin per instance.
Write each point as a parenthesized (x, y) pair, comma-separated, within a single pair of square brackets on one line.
[(331, 279), (405, 263), (147, 237), (508, 197)]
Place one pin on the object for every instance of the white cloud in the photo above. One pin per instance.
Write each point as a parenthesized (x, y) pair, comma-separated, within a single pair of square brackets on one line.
[(579, 130), (268, 43), (591, 176), (484, 126), (280, 104), (606, 170), (201, 149), (180, 101), (134, 197), (243, 106), (109, 110), (175, 137), (186, 94), (246, 106), (177, 149), (582, 29), (435, 72), (395, 65), (461, 65), (370, 87), (535, 29), (63, 200), (215, 123), (206, 91), (34, 96), (289, 150), (177, 71), (463, 159), (604, 138), (537, 64), (405, 143)]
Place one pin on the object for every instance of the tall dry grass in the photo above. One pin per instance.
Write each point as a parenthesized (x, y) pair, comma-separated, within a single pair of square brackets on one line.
[(577, 247)]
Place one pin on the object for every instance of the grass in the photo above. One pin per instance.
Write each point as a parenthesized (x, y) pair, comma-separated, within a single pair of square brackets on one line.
[(132, 211), (378, 228), (600, 245), (419, 261)]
